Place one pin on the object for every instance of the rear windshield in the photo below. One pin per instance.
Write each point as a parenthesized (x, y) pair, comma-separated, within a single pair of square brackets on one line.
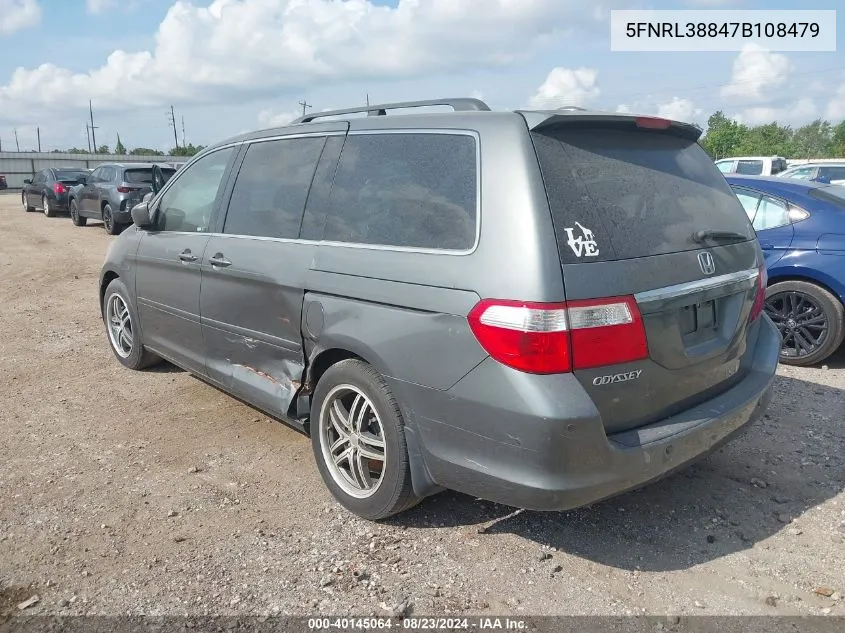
[(70, 175), (144, 175), (618, 194), (835, 194)]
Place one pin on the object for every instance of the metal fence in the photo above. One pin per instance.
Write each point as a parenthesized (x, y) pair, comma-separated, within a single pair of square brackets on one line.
[(19, 165)]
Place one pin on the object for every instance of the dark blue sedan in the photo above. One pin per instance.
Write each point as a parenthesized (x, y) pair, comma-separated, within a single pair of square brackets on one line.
[(801, 228)]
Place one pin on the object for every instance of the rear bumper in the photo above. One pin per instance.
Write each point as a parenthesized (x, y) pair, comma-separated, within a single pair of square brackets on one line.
[(537, 442)]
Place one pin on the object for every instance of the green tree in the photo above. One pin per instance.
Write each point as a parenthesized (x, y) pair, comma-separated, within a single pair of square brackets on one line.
[(76, 150), (188, 150), (813, 140), (119, 148), (103, 149), (837, 141), (723, 135), (145, 151), (770, 139)]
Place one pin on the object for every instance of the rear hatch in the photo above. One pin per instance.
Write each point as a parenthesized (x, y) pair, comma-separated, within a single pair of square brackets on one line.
[(641, 213), (138, 181)]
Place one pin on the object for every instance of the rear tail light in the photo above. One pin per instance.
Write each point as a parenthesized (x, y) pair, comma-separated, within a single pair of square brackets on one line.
[(759, 294), (125, 189), (551, 338), (59, 188)]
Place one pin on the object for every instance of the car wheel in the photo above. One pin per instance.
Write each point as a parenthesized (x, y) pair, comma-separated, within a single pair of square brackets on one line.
[(358, 437), (124, 335), (26, 205), (112, 227), (810, 319), (77, 219), (49, 210)]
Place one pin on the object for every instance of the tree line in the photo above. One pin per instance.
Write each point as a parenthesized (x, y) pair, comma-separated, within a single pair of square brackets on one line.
[(119, 149), (725, 137)]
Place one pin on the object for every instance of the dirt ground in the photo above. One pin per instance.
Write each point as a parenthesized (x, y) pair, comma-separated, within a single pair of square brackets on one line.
[(154, 493)]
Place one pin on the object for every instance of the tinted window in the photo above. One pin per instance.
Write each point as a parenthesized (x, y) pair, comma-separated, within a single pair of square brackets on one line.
[(144, 175), (770, 214), (632, 193), (832, 173), (70, 175), (749, 167), (188, 204), (835, 194), (269, 195), (318, 198), (40, 177), (407, 190)]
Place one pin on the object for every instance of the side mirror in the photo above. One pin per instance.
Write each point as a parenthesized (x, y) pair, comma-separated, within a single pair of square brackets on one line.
[(141, 215), (27, 181), (148, 196)]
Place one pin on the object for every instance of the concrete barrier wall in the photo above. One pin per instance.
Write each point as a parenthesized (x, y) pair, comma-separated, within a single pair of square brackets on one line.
[(19, 165)]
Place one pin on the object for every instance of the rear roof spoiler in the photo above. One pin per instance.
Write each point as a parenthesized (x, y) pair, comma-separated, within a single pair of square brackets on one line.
[(542, 120)]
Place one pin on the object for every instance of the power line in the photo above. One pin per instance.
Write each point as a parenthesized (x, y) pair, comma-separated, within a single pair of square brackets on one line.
[(304, 105)]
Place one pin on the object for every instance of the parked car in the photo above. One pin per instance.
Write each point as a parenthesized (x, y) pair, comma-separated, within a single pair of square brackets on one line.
[(752, 165), (540, 308), (801, 228), (48, 190), (3, 183), (110, 192), (830, 173)]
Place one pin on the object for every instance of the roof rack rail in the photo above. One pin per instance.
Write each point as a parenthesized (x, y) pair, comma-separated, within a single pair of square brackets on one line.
[(461, 104)]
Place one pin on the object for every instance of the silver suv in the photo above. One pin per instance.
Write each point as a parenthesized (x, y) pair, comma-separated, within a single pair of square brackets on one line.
[(110, 192), (540, 308)]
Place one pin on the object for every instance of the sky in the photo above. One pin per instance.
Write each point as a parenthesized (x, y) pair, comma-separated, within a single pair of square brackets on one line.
[(231, 66)]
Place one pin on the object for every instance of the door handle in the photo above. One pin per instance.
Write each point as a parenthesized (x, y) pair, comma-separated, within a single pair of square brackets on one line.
[(219, 260), (767, 246), (187, 256)]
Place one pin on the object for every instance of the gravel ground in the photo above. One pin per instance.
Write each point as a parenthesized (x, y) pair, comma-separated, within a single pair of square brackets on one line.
[(154, 493)]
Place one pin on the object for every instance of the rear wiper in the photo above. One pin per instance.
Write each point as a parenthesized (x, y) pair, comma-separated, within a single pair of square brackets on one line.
[(717, 236)]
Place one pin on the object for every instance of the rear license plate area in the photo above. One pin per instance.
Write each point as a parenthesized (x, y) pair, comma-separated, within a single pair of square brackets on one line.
[(698, 318)]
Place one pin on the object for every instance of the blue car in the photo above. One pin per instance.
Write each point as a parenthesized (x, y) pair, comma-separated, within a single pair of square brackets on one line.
[(801, 228)]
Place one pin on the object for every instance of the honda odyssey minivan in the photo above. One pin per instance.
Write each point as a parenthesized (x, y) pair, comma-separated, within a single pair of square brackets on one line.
[(540, 308)]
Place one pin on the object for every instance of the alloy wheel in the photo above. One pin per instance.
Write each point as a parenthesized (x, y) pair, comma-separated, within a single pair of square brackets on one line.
[(802, 322), (352, 440), (45, 205), (119, 323)]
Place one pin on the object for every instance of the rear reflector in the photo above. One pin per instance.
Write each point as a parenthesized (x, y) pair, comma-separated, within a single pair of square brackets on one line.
[(759, 294), (551, 338)]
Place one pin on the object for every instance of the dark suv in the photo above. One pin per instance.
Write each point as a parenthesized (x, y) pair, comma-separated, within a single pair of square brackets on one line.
[(542, 309)]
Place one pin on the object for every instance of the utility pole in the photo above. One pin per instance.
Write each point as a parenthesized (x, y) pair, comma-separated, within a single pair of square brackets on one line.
[(368, 99), (18, 145), (304, 105), (171, 117), (88, 136), (38, 132), (183, 131), (93, 127)]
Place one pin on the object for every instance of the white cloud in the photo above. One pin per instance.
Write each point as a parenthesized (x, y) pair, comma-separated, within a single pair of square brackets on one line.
[(756, 71), (623, 109), (18, 14), (256, 47), (269, 118), (99, 6), (679, 110), (565, 86), (800, 113), (835, 110)]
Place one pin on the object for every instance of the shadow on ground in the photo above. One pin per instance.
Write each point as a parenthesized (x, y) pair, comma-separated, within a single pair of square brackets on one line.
[(795, 457)]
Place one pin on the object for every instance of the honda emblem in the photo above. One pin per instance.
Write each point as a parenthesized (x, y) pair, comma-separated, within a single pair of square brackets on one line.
[(705, 260)]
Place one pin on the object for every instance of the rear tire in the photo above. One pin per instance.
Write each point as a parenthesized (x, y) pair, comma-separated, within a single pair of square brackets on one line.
[(811, 321), (25, 204), (375, 426), (118, 307), (77, 219), (49, 210), (112, 227)]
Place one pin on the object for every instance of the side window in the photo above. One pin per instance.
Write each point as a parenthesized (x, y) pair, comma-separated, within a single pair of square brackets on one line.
[(269, 195), (803, 173), (771, 214), (96, 175), (407, 190), (831, 174), (749, 202), (725, 166), (749, 167), (188, 203), (108, 174), (40, 178)]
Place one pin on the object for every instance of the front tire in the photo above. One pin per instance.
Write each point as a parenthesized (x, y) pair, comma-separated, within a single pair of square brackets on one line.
[(77, 219), (122, 328), (112, 227), (810, 319), (49, 210), (358, 438)]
